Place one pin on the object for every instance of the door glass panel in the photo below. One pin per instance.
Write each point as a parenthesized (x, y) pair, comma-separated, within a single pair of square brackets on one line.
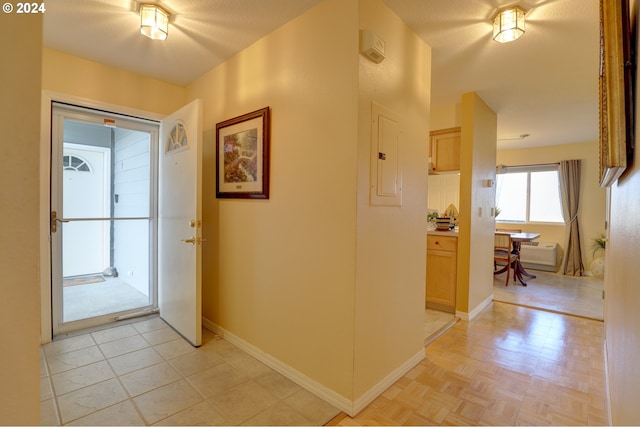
[(93, 285), (106, 234)]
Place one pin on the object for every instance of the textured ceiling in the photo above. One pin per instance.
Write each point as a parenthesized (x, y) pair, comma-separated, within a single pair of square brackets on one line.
[(544, 84)]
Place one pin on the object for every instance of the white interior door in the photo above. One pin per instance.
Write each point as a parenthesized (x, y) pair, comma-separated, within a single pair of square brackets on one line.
[(180, 222)]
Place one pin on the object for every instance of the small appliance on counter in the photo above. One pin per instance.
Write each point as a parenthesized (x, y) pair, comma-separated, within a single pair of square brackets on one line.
[(443, 224)]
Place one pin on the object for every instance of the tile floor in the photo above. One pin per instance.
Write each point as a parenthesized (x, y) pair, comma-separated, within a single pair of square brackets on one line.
[(510, 365), (144, 373), (580, 296)]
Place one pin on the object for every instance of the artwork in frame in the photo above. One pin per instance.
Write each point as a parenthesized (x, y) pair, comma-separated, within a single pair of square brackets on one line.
[(616, 90), (242, 156)]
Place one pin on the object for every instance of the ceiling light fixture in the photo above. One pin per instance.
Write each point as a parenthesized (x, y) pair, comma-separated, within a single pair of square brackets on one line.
[(154, 21), (508, 24)]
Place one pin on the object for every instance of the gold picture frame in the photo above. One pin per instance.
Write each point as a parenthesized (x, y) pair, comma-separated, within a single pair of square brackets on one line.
[(616, 102)]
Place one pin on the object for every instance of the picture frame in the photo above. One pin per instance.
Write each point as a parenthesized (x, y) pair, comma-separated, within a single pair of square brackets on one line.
[(242, 156), (616, 142)]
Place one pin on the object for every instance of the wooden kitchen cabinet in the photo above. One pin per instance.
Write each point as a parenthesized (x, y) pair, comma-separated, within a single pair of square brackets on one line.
[(444, 150), (442, 266)]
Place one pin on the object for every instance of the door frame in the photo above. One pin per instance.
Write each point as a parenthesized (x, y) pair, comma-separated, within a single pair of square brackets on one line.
[(45, 261)]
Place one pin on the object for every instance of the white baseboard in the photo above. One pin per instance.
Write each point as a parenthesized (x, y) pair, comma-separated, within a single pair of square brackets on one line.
[(468, 316), (297, 377), (342, 403)]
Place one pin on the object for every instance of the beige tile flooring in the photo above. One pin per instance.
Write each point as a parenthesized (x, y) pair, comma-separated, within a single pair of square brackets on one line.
[(580, 296), (144, 373), (510, 365)]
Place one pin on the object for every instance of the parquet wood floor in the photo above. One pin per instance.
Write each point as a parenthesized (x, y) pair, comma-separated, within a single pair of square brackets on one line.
[(510, 365)]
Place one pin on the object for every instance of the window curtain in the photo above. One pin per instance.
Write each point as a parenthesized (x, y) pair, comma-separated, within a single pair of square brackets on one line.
[(569, 172)]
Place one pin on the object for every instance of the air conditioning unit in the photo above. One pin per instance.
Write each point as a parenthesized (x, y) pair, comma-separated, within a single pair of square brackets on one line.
[(539, 256)]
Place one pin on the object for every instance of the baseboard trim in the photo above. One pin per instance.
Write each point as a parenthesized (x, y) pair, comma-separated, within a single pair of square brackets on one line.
[(351, 408), (370, 395), (469, 316), (326, 394)]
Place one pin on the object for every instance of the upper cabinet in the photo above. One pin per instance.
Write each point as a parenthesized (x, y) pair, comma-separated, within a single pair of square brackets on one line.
[(444, 150)]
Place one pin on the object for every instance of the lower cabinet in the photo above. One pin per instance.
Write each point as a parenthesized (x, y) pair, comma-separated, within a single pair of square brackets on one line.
[(442, 266)]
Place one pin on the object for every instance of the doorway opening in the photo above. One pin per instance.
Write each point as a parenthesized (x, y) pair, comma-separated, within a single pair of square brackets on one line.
[(103, 210)]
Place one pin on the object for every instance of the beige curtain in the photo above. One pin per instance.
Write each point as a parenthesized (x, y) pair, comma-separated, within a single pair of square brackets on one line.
[(569, 172)]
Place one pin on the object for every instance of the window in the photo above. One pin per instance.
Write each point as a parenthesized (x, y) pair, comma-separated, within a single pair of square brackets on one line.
[(529, 194), (74, 163)]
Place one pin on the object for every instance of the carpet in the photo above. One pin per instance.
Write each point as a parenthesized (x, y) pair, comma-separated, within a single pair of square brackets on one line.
[(82, 280)]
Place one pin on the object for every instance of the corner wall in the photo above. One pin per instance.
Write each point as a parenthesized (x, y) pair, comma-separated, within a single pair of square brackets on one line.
[(279, 273), (21, 44), (477, 225), (313, 277), (391, 243)]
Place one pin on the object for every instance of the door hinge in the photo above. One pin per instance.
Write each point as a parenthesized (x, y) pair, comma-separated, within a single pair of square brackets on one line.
[(55, 220), (54, 223)]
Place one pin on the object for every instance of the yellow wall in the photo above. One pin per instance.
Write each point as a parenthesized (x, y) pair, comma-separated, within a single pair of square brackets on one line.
[(21, 43), (390, 265), (622, 303), (80, 77), (476, 223), (313, 276), (279, 273), (445, 117), (592, 207)]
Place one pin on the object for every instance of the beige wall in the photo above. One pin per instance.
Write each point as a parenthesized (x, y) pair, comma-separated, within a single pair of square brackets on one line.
[(476, 223), (391, 244), (622, 303), (21, 43), (445, 117), (592, 207), (279, 273), (314, 277), (82, 78)]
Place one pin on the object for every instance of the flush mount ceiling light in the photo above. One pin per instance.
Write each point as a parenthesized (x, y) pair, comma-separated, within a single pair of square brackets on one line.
[(508, 24), (154, 21)]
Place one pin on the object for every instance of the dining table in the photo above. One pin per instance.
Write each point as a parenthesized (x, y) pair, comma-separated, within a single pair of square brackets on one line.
[(517, 239)]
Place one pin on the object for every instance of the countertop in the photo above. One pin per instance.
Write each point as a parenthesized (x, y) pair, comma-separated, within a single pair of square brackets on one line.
[(452, 233)]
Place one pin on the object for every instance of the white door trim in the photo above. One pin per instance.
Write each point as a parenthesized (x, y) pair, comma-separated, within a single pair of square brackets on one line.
[(48, 97)]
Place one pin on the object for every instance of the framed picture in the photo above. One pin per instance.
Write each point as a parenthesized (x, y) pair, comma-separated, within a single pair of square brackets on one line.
[(242, 153), (616, 90)]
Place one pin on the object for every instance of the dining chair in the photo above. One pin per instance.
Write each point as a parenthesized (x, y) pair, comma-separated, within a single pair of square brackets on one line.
[(502, 253)]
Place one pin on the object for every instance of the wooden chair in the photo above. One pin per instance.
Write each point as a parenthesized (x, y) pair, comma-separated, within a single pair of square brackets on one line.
[(502, 253)]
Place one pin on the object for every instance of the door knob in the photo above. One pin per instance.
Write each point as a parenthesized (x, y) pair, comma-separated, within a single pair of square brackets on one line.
[(194, 240), (191, 240)]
